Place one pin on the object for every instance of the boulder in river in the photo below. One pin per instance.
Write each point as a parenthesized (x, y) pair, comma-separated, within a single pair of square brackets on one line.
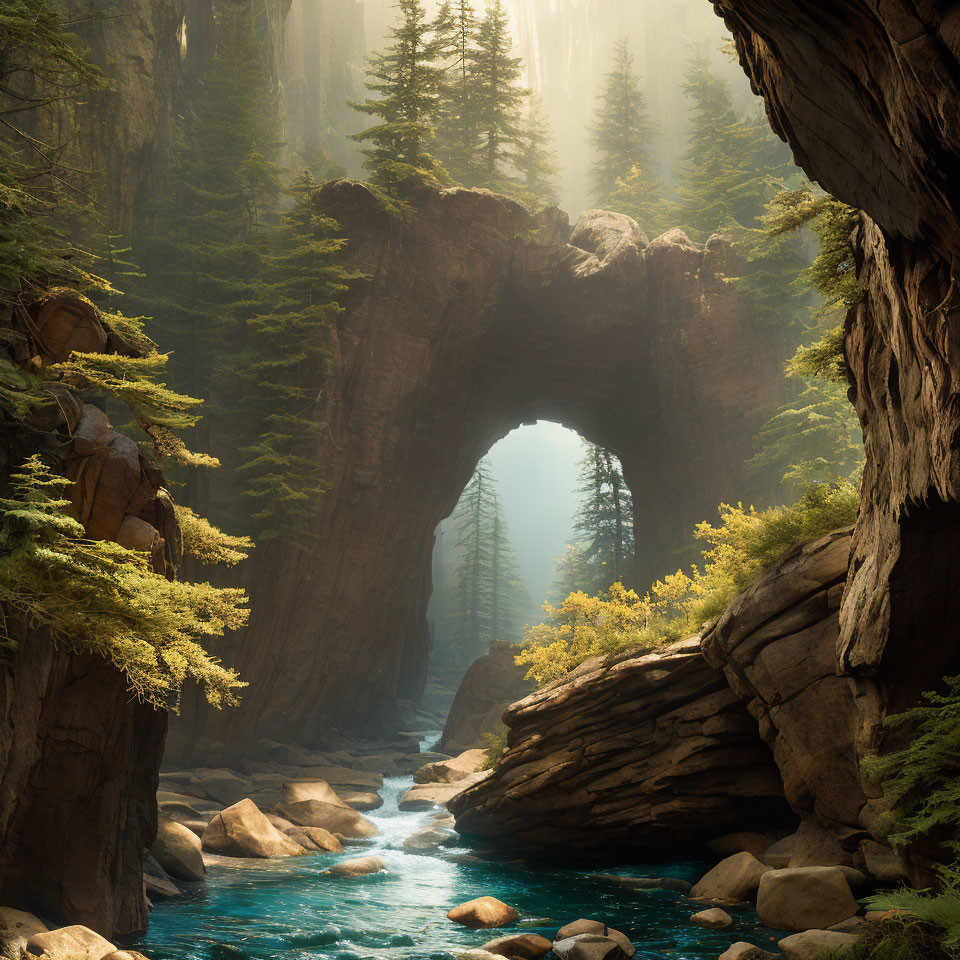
[(452, 770), (294, 791), (814, 943), (483, 912), (177, 849), (363, 800), (243, 831), (735, 878), (801, 898), (335, 817), (644, 883), (314, 838), (712, 919), (589, 946), (595, 928), (520, 946), (359, 867), (426, 796), (70, 943), (745, 951)]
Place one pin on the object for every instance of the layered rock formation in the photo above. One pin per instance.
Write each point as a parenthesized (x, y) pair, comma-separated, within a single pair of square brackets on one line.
[(475, 318), (489, 686), (651, 750), (882, 132)]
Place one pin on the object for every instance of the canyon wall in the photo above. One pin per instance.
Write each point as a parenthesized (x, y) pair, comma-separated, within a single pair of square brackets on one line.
[(475, 317)]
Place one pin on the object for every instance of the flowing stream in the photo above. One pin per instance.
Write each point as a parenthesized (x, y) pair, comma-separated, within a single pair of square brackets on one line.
[(288, 910)]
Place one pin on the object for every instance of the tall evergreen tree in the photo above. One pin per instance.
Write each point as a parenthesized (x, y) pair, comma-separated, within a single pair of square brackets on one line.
[(621, 131), (732, 166), (455, 31), (497, 97), (536, 159), (490, 595), (604, 520), (407, 78)]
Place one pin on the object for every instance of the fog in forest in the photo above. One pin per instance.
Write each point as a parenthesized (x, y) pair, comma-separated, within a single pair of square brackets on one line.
[(566, 47)]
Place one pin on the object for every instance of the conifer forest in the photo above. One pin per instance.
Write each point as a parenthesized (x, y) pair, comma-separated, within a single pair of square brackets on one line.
[(478, 480)]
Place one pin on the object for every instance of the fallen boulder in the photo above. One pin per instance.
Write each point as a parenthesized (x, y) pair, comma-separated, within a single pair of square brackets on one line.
[(712, 919), (588, 946), (801, 898), (483, 912), (335, 817), (314, 838), (295, 791), (70, 943), (595, 928), (520, 946), (745, 951), (452, 770), (812, 944), (243, 831), (735, 878), (178, 850), (644, 883), (359, 867)]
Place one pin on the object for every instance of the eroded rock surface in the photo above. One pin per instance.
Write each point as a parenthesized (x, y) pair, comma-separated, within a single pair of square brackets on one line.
[(649, 751), (475, 318)]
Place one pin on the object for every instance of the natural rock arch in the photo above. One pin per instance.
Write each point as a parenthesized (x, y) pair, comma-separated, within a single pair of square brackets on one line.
[(476, 317)]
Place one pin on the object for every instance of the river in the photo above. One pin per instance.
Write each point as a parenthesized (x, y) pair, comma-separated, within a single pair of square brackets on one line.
[(288, 910)]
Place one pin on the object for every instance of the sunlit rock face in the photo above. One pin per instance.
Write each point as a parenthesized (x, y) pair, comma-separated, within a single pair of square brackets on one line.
[(652, 750), (476, 317), (866, 95)]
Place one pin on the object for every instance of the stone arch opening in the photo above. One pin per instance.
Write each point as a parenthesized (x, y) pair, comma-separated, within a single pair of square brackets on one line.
[(473, 318)]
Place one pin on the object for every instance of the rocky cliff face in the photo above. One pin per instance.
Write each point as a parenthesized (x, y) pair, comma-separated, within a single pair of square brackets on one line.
[(651, 750), (489, 686), (881, 131), (477, 317), (79, 754)]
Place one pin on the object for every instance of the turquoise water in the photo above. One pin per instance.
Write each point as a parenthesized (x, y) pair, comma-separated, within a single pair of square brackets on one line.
[(286, 909)]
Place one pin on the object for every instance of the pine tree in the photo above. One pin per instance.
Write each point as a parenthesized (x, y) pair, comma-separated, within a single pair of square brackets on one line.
[(536, 159), (407, 79), (497, 98), (282, 366), (732, 167), (455, 31), (490, 594), (621, 129), (604, 520)]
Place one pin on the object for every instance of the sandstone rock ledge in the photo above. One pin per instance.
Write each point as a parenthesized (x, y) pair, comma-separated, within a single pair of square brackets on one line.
[(651, 750)]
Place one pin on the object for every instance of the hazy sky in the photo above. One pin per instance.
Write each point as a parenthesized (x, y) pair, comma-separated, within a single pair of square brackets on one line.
[(536, 469)]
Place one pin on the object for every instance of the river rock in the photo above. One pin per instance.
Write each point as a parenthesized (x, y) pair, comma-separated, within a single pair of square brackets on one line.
[(179, 811), (314, 838), (713, 919), (745, 951), (159, 888), (595, 928), (812, 944), (478, 955), (431, 836), (335, 817), (178, 850), (295, 791), (427, 796), (800, 898), (362, 800), (222, 785), (882, 863), (70, 943), (483, 912), (735, 878), (588, 946), (16, 928), (243, 831), (452, 770), (358, 867), (520, 946)]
